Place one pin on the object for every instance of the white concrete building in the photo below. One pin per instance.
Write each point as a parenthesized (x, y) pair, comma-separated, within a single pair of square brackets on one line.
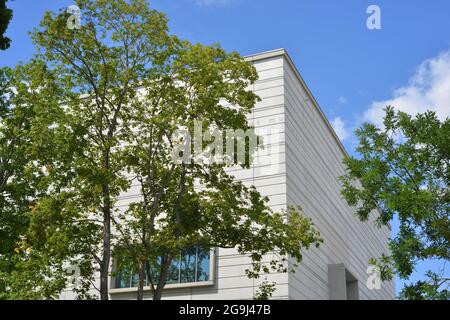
[(306, 161)]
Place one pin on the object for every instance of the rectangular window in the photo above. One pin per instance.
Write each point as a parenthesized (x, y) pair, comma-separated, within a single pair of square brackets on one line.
[(191, 266)]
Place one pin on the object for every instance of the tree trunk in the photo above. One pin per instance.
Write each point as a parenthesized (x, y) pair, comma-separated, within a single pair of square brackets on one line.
[(157, 295), (140, 293), (165, 267), (106, 259), (104, 270)]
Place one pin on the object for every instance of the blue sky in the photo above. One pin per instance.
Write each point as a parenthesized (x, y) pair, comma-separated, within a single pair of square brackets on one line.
[(352, 71)]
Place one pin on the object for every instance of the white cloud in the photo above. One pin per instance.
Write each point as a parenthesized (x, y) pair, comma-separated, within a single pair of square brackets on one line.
[(428, 89), (208, 3), (339, 126)]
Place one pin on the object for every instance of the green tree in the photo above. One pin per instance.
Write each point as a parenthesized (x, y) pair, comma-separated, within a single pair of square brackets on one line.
[(5, 17), (194, 93), (23, 270), (96, 70), (106, 100), (14, 189), (403, 170)]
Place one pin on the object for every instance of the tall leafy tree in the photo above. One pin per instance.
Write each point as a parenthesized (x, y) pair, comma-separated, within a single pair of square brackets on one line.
[(14, 190), (403, 170), (5, 17), (194, 201), (23, 270), (98, 70)]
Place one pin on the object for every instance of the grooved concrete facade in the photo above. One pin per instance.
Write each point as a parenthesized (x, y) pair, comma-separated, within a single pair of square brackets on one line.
[(305, 163)]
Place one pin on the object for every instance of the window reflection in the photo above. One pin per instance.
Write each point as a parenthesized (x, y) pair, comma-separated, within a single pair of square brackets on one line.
[(203, 262), (174, 272), (188, 260), (123, 279), (192, 265)]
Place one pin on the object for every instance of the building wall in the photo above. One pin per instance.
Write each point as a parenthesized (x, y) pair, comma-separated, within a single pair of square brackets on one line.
[(313, 164)]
